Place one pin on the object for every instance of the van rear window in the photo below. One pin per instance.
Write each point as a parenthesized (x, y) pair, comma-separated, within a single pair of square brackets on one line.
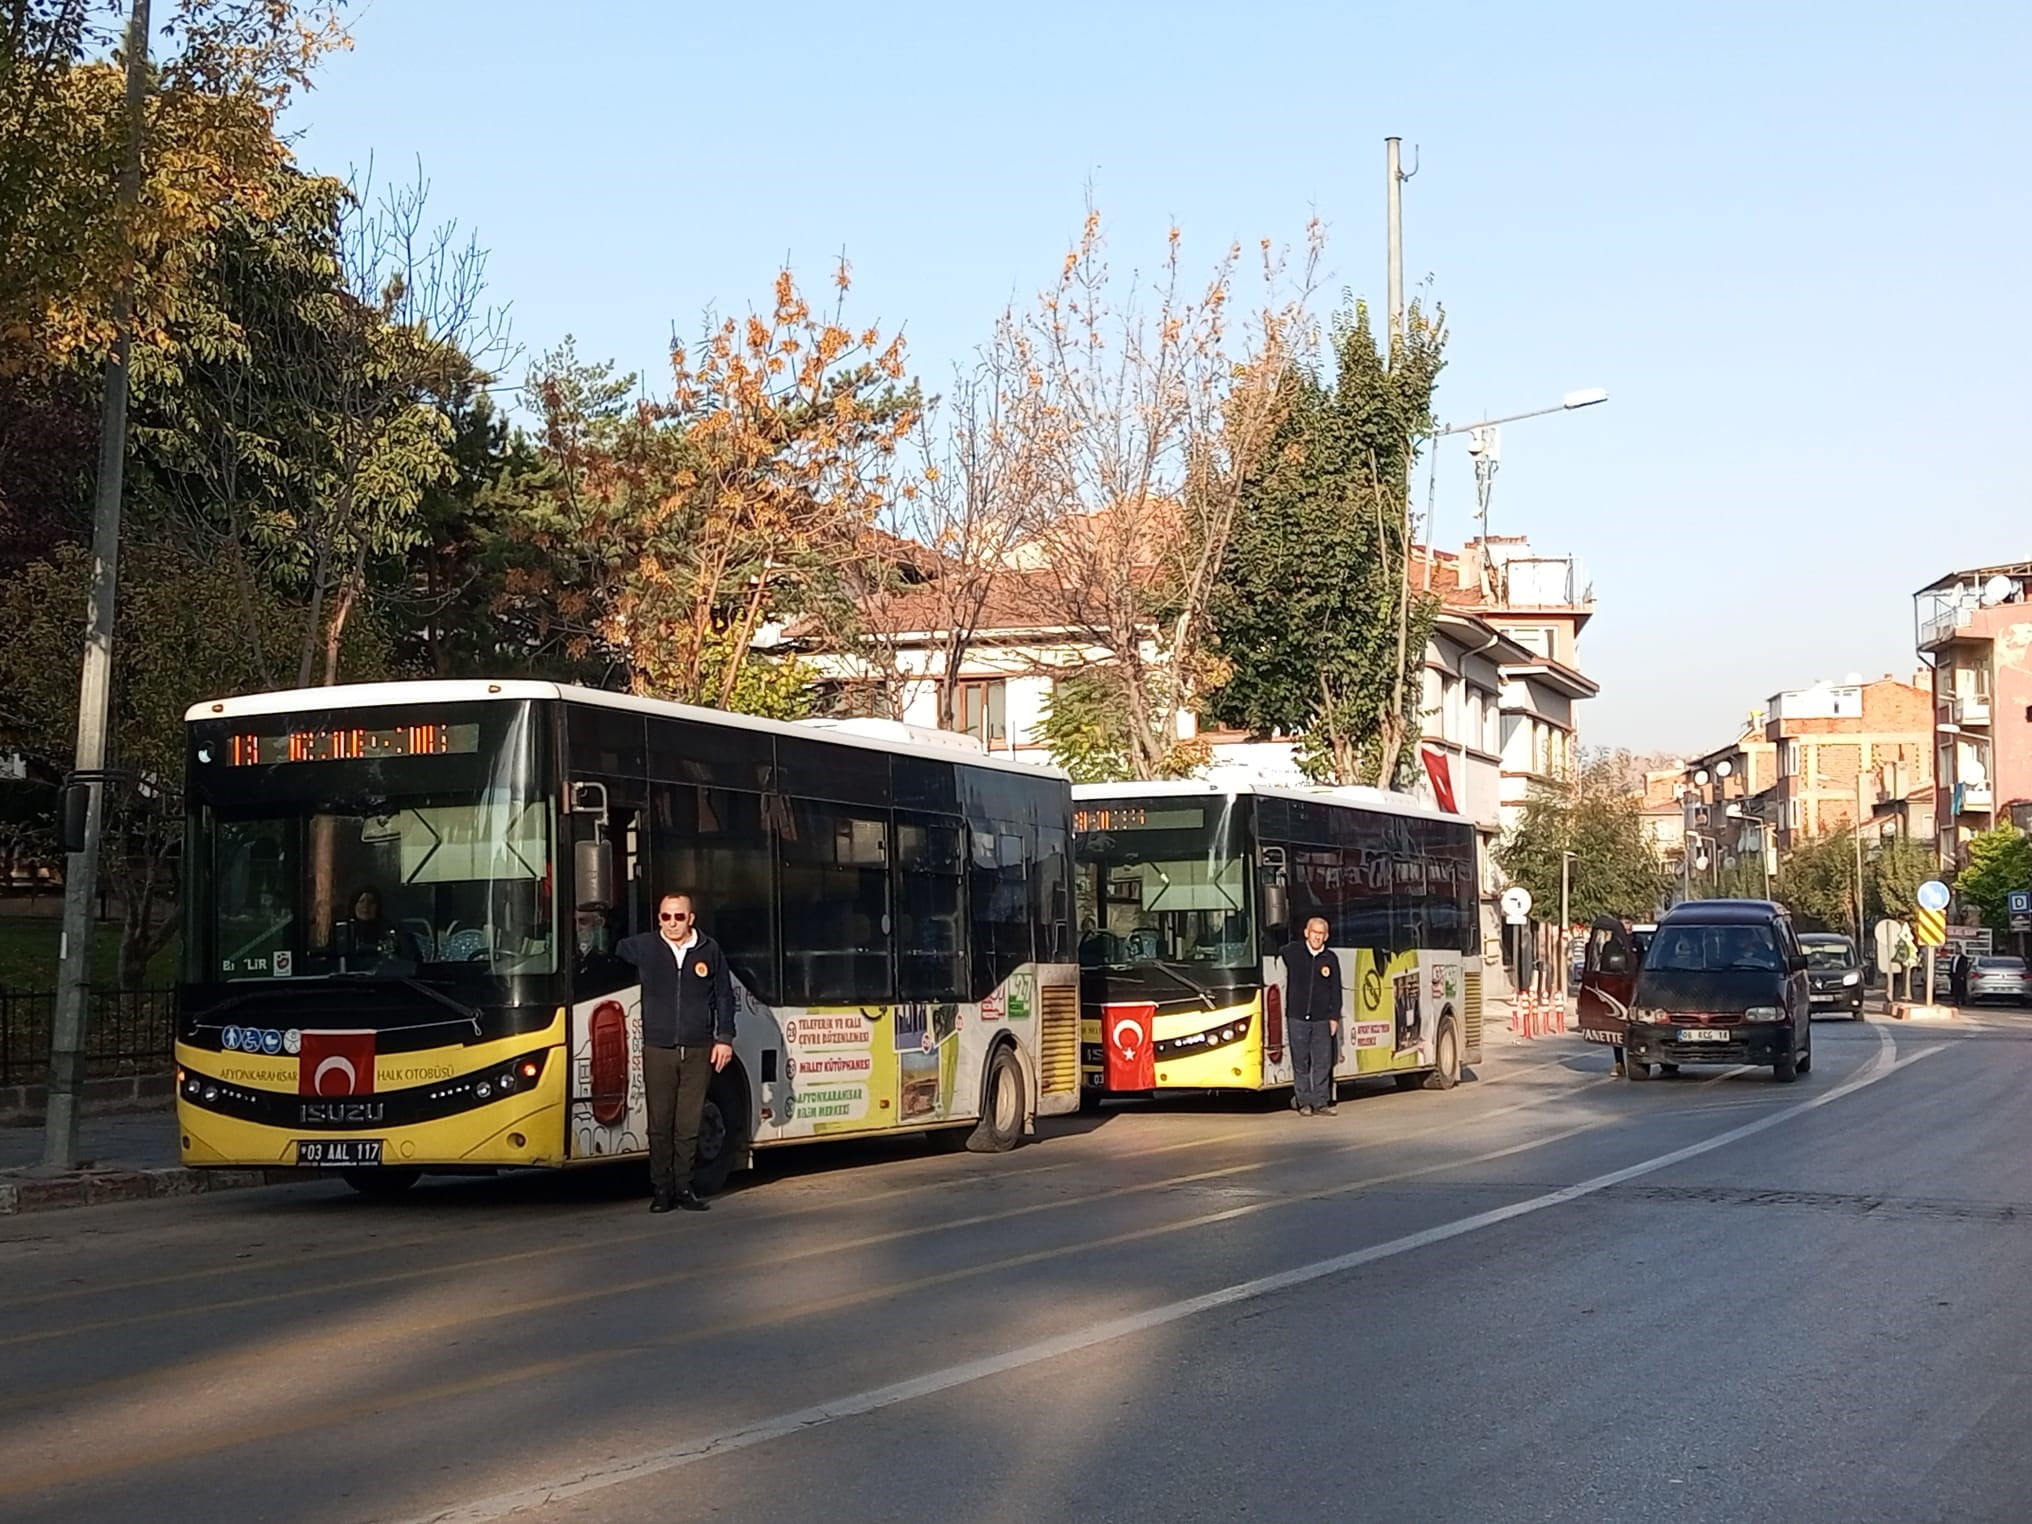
[(1714, 949)]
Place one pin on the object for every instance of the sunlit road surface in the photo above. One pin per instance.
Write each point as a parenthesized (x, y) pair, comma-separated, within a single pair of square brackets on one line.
[(1549, 1294)]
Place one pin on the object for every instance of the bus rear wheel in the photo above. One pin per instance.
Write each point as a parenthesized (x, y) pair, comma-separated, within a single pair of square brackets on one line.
[(720, 1137), (1001, 1124), (1445, 1059), (381, 1182)]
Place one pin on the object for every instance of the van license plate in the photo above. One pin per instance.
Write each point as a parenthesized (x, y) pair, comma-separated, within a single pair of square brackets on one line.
[(1704, 1034), (338, 1153)]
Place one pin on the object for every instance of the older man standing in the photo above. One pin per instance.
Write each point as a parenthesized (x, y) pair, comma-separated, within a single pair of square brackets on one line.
[(687, 1037), (1312, 1019)]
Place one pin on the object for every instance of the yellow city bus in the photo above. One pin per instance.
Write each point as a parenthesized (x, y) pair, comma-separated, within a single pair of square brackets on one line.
[(1187, 892), (402, 902)]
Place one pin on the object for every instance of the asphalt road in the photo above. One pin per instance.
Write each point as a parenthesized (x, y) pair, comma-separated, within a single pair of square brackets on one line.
[(1546, 1295)]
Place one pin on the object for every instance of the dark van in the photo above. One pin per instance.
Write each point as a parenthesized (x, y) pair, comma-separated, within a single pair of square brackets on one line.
[(1723, 982)]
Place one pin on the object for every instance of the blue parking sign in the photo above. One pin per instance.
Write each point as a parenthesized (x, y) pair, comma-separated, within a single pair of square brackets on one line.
[(2021, 902)]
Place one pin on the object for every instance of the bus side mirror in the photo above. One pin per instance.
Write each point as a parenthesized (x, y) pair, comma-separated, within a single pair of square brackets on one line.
[(593, 874), (1276, 901)]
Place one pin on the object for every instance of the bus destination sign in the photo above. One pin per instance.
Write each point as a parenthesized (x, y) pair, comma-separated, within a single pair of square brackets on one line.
[(1137, 817), (354, 744)]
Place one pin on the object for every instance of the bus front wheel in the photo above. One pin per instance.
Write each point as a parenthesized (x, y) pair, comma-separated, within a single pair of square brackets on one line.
[(381, 1182), (1001, 1124)]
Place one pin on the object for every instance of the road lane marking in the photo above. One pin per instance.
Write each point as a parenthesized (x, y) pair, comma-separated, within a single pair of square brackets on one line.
[(770, 1261), (652, 1463)]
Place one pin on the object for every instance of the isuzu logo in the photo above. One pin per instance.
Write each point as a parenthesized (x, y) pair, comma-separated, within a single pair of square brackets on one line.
[(336, 1113)]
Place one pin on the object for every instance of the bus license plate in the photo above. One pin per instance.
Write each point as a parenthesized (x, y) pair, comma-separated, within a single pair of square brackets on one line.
[(1704, 1034), (338, 1153)]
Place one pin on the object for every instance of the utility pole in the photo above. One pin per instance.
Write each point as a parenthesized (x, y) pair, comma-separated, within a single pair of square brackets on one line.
[(1395, 180), (1858, 833), (95, 683)]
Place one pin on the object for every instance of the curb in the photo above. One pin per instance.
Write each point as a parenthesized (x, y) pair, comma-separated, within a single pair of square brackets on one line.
[(102, 1187)]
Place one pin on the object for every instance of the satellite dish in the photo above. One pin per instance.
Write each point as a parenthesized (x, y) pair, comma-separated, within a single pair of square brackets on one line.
[(1997, 589), (1723, 769)]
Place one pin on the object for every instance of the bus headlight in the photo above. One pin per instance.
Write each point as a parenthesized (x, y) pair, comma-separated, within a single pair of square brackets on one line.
[(483, 1091)]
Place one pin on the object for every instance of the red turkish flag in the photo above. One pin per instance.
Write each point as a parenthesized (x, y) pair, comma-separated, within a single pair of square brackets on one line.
[(1442, 779), (336, 1063), (1125, 1032)]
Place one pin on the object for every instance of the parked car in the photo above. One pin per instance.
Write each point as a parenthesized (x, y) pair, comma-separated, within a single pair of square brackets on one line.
[(1998, 978), (1723, 982), (1834, 975)]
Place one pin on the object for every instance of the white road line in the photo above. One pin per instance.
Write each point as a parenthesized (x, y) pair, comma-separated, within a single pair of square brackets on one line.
[(597, 1479)]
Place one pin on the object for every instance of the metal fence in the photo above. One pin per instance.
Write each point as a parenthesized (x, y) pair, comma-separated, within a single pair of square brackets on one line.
[(126, 1032)]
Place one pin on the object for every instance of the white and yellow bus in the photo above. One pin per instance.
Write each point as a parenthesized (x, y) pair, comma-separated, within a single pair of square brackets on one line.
[(1187, 892), (401, 903)]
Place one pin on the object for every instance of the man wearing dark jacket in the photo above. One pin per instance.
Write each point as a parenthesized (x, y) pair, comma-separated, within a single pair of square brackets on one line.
[(687, 1036), (1312, 1019)]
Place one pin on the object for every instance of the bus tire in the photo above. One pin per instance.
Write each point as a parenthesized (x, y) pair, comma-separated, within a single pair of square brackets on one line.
[(1445, 1058), (384, 1181), (722, 1134), (1001, 1123)]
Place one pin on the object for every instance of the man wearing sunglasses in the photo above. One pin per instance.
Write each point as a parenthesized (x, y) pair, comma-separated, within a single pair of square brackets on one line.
[(687, 1037)]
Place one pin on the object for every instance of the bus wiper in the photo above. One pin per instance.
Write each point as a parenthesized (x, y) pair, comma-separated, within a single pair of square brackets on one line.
[(1177, 978), (468, 1012)]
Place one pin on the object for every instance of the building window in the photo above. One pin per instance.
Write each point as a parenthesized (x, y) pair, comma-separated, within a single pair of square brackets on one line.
[(1535, 638), (1788, 759), (1794, 815), (981, 709)]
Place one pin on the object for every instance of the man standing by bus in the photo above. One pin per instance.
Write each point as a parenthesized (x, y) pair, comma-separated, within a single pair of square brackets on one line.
[(687, 1037), (1312, 1019)]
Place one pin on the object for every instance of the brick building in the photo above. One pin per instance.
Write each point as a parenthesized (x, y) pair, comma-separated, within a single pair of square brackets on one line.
[(1842, 750)]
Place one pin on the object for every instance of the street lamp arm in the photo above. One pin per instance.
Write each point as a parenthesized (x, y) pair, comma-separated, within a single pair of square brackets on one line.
[(1571, 401)]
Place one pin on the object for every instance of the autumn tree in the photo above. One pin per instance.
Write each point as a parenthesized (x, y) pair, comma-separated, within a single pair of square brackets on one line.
[(672, 533), (1144, 410), (1319, 630)]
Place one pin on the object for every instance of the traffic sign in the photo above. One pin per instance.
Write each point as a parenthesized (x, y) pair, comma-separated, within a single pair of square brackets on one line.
[(1516, 904), (1933, 895), (2020, 902), (1929, 928)]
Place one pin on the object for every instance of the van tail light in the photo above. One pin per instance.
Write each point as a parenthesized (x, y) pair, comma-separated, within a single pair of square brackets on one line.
[(610, 1062), (1273, 1023)]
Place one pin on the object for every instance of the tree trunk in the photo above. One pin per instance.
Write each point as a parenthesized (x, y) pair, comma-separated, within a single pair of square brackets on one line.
[(342, 610)]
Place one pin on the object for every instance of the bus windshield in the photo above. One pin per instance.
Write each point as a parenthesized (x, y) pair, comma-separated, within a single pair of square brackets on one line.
[(1162, 883), (399, 852)]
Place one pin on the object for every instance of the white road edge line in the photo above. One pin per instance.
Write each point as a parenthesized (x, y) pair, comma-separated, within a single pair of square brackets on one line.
[(506, 1504)]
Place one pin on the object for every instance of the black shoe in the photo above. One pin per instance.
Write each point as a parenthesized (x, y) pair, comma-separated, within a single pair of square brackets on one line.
[(690, 1201), (660, 1202)]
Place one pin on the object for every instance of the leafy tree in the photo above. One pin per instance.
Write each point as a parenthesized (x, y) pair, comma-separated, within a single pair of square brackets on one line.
[(1894, 874), (1614, 871), (1999, 861), (1816, 881), (1314, 617)]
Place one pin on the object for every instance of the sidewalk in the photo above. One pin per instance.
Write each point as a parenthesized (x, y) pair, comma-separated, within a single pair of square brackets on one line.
[(130, 1157)]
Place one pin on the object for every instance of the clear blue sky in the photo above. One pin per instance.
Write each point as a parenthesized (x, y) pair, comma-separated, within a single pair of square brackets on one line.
[(1791, 239)]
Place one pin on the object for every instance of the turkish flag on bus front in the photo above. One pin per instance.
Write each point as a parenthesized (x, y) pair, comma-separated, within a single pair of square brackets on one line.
[(1132, 1061), (336, 1063)]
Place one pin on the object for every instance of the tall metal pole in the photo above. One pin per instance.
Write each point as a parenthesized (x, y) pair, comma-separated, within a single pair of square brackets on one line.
[(1859, 847), (95, 684), (1395, 181)]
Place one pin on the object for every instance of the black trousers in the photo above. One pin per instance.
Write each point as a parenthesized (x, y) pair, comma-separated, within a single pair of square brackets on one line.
[(675, 1081), (1312, 1046)]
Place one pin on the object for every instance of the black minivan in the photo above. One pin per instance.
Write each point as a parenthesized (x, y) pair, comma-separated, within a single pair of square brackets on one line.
[(1723, 982)]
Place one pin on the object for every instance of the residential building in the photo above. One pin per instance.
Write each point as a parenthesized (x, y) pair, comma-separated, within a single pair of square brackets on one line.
[(1658, 795), (1844, 750), (1728, 812), (1973, 629), (1539, 604)]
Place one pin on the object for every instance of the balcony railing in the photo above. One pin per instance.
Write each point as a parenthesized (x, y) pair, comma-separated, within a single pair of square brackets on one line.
[(1975, 798)]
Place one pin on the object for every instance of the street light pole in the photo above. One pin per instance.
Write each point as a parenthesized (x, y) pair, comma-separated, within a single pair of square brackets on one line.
[(1485, 444), (95, 682)]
